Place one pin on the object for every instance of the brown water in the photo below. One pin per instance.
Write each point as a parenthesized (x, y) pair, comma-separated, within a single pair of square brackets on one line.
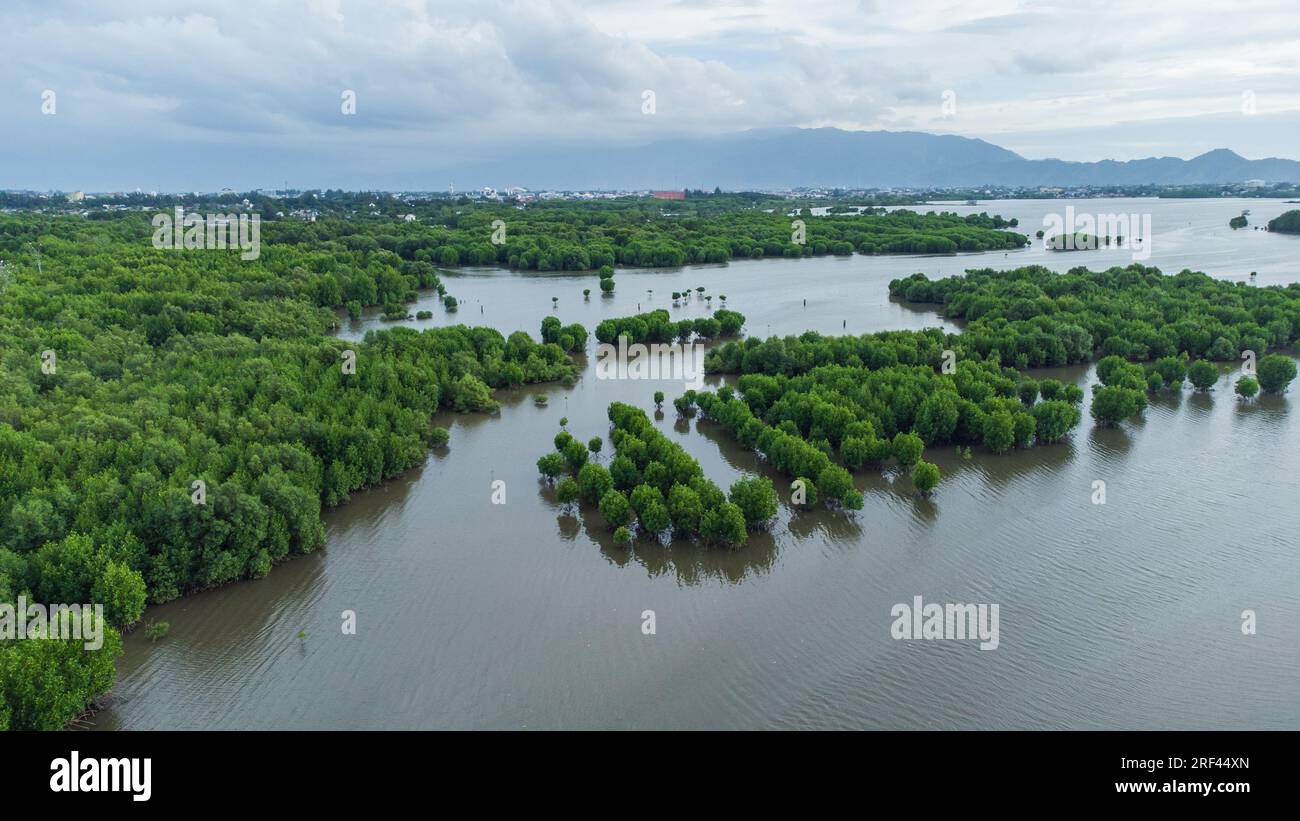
[(475, 615)]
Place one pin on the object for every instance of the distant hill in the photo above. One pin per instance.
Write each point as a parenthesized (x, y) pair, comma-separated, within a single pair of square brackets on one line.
[(791, 157)]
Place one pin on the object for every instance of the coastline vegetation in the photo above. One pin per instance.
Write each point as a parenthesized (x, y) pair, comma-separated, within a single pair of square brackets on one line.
[(170, 422)]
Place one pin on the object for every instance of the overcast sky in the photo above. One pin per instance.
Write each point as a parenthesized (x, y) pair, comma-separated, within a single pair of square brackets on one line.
[(250, 94)]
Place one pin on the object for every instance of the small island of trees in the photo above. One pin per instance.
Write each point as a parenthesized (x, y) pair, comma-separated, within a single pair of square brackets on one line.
[(655, 485), (1287, 223), (658, 326)]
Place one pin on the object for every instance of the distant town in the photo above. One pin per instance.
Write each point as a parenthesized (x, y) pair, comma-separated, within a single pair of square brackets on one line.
[(310, 205)]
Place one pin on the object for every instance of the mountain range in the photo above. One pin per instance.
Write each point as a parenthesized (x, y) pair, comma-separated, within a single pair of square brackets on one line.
[(810, 157)]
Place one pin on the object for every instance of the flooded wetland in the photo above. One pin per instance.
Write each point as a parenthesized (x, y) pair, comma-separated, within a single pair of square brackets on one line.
[(472, 614)]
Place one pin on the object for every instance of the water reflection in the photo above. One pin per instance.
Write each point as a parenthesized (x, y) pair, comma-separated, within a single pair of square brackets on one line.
[(1246, 410), (569, 527), (687, 560), (1110, 443), (1167, 399), (691, 565), (924, 510), (1203, 400)]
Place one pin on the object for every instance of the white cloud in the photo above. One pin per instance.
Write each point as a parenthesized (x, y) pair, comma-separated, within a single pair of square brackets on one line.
[(258, 83)]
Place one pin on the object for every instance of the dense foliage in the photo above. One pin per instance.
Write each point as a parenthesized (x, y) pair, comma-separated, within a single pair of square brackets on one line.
[(655, 483), (175, 420), (1287, 223), (1034, 317), (45, 682), (658, 326), (869, 399), (578, 237)]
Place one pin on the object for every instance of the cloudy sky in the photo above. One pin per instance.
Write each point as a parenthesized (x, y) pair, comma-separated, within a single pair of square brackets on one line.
[(251, 94)]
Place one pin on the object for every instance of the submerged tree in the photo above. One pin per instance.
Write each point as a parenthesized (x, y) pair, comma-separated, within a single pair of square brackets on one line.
[(1275, 372), (1247, 387), (1202, 374), (925, 476)]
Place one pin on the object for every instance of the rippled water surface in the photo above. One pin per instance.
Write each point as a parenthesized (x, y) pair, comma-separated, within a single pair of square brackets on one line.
[(474, 615)]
